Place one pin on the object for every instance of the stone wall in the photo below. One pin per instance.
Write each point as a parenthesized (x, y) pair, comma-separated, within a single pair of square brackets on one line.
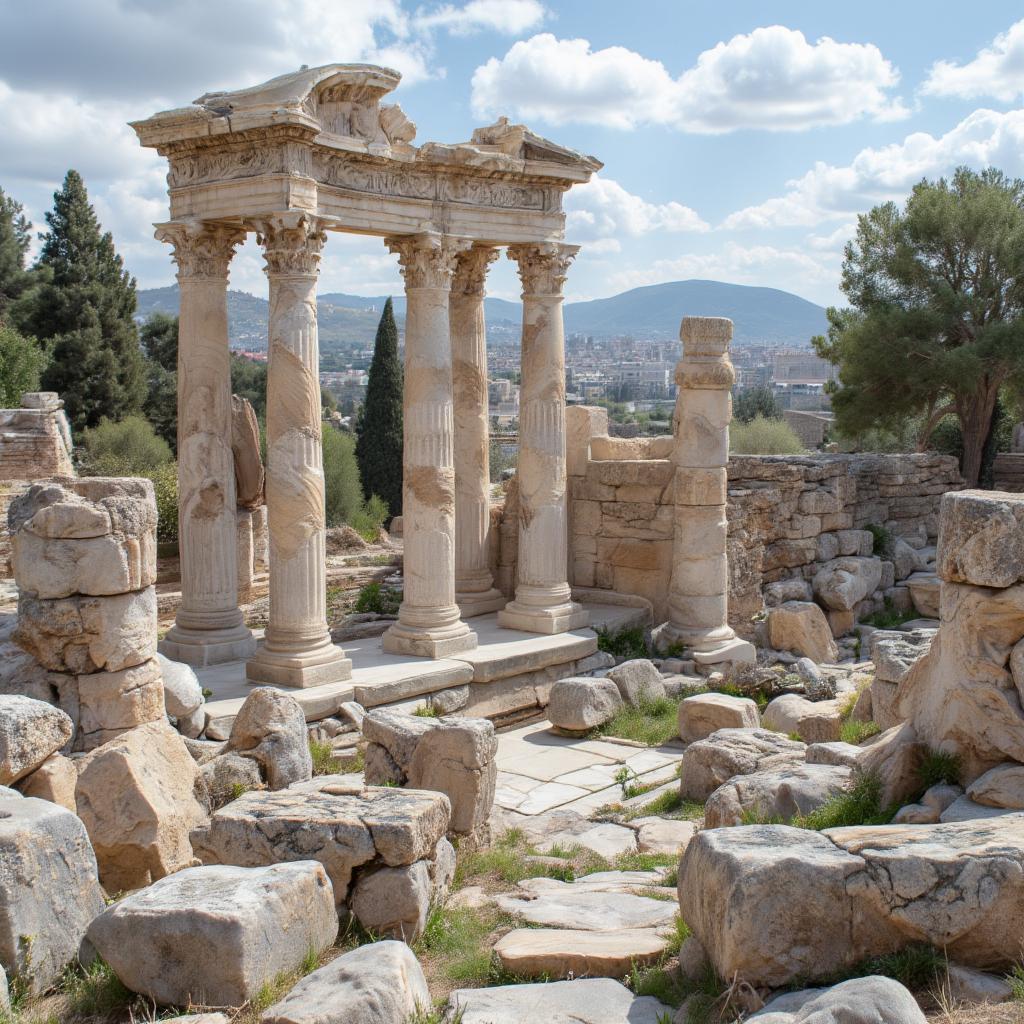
[(35, 440)]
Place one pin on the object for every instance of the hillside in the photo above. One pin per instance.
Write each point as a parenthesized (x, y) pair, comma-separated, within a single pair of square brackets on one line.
[(760, 315)]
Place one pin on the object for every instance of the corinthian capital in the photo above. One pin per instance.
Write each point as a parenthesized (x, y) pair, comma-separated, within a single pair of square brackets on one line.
[(543, 267), (292, 243), (428, 259), (201, 249), (471, 269)]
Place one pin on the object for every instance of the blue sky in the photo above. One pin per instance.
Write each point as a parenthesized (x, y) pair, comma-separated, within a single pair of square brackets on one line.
[(739, 139)]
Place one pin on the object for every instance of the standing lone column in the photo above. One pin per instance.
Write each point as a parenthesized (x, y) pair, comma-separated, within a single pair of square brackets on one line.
[(543, 601), (475, 592), (699, 591), (297, 648), (208, 628), (429, 622)]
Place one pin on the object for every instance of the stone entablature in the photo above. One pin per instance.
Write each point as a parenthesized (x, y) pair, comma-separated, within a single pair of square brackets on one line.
[(35, 440)]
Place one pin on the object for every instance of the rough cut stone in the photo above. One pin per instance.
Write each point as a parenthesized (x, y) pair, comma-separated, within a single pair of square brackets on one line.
[(982, 538), (894, 652), (871, 1000), (709, 763), (570, 906), (967, 985), (1002, 786), (111, 703), (214, 935), (778, 795), (394, 901), (137, 797), (705, 713), (801, 627), (845, 754), (379, 983), (895, 758), (787, 590), (49, 890), (905, 559), (54, 780), (182, 692), (30, 731), (572, 953), (638, 681), (228, 776), (844, 582), (271, 729), (582, 704), (924, 592), (663, 835)]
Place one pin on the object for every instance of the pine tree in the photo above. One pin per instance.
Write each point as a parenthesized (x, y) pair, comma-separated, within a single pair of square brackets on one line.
[(379, 427), (84, 308), (14, 241)]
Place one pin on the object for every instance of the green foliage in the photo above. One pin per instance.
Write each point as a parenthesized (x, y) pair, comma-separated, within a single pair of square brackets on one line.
[(14, 242), (165, 483), (860, 805), (890, 617), (343, 495), (83, 305), (1015, 980), (882, 539), (857, 732), (938, 767), (367, 522), (457, 939), (936, 318), (376, 597), (915, 967), (498, 462), (95, 990), (324, 761), (762, 436), (249, 381), (22, 361), (159, 336), (652, 722), (379, 426), (426, 711), (670, 804), (129, 447), (753, 402), (626, 643)]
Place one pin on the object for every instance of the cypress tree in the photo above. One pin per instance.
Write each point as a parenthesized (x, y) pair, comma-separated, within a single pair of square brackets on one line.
[(14, 240), (84, 307), (379, 426)]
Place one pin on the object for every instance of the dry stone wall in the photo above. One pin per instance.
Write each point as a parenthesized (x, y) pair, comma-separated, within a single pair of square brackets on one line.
[(35, 440)]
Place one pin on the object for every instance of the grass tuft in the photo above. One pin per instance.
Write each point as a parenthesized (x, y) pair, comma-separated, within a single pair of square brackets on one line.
[(856, 732), (324, 761), (652, 722), (860, 805), (939, 767), (626, 643)]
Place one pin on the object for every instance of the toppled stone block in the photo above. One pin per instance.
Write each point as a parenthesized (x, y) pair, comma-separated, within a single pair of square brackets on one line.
[(705, 713), (844, 582), (1002, 786), (812, 721), (30, 731), (394, 901), (894, 652), (182, 692), (801, 627), (111, 703), (577, 705), (228, 776), (778, 795), (49, 890), (638, 682), (858, 1001), (981, 540), (54, 780), (231, 930), (270, 727), (709, 763)]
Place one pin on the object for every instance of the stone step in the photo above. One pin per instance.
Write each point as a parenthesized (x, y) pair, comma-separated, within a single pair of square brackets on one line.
[(572, 952), (587, 910)]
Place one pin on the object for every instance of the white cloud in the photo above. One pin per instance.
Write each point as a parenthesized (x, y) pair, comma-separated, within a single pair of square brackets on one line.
[(510, 17), (835, 240), (827, 192), (997, 70), (601, 211), (771, 79)]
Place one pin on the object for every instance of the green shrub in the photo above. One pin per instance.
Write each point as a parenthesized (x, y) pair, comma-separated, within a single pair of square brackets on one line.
[(939, 767), (860, 805), (22, 361), (857, 732), (324, 761), (370, 518), (343, 496), (762, 436), (129, 447), (375, 597), (165, 483), (651, 722), (626, 643), (882, 539), (890, 617)]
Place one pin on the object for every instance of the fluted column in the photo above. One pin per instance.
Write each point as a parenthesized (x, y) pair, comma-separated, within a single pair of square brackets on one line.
[(429, 622), (208, 628), (297, 648), (543, 601), (475, 592), (698, 599)]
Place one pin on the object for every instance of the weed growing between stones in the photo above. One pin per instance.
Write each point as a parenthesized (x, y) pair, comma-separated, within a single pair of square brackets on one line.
[(890, 617), (375, 597), (939, 767), (426, 711), (626, 643), (652, 722), (856, 732), (324, 761), (668, 805), (860, 805)]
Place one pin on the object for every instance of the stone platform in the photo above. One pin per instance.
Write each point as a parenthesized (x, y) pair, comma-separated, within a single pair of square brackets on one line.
[(503, 672)]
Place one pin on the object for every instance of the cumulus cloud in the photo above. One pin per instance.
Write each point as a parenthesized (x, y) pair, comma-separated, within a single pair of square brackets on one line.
[(509, 17), (771, 79), (602, 211), (827, 192), (997, 70)]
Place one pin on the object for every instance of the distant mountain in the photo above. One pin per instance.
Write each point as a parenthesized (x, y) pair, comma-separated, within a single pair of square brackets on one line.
[(760, 315)]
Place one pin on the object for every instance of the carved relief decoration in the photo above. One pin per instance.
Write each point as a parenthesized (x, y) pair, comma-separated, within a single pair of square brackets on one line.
[(201, 249), (543, 268), (427, 260), (292, 243)]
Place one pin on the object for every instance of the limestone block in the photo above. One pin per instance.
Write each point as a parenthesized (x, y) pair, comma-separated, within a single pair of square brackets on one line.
[(270, 727), (841, 623), (244, 927), (182, 692), (54, 780), (30, 731), (709, 763), (801, 627), (447, 702), (895, 758), (846, 754), (137, 797), (858, 1001), (925, 593), (827, 547), (884, 707), (228, 776), (787, 590), (1002, 786), (700, 487), (893, 652), (570, 953), (967, 985), (844, 582), (638, 681), (665, 836), (812, 721), (778, 795), (394, 901), (582, 704), (982, 538), (49, 891), (905, 559), (81, 634), (706, 713), (110, 703), (398, 733), (573, 905), (379, 983)]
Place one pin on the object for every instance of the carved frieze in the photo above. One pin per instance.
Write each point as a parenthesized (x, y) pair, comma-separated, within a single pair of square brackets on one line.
[(202, 166), (379, 179)]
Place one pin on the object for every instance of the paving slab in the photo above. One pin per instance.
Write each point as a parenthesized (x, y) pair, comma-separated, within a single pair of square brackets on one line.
[(589, 910), (567, 952)]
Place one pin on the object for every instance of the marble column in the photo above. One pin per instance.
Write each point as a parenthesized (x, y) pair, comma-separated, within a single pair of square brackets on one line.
[(297, 648), (429, 622), (698, 599), (543, 601), (208, 628), (475, 592)]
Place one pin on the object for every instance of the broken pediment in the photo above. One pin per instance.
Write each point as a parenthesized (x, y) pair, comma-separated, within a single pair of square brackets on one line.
[(517, 140)]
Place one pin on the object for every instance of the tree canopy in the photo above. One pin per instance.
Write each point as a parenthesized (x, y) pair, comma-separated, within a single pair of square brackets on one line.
[(752, 402), (935, 324), (14, 242)]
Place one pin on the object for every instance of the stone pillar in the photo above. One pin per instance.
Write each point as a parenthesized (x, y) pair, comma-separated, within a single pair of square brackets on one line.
[(475, 593), (543, 601), (297, 648), (208, 628), (429, 622), (699, 590)]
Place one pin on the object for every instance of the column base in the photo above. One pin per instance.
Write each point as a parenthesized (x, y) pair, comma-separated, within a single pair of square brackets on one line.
[(531, 619), (736, 651), (480, 604), (706, 647), (299, 669), (423, 642), (202, 647)]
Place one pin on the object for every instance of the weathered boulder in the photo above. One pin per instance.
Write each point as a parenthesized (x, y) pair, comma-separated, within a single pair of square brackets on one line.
[(579, 705), (137, 796), (925, 589), (394, 901), (271, 729), (895, 651), (663, 835), (215, 935), (1002, 786), (182, 692), (797, 589), (981, 538), (871, 1000), (638, 682), (705, 713), (831, 899), (54, 780), (379, 983), (778, 795), (730, 752), (801, 627), (905, 559), (812, 721), (228, 776), (929, 810), (49, 890), (967, 985), (895, 759), (30, 731), (845, 754), (844, 582)]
